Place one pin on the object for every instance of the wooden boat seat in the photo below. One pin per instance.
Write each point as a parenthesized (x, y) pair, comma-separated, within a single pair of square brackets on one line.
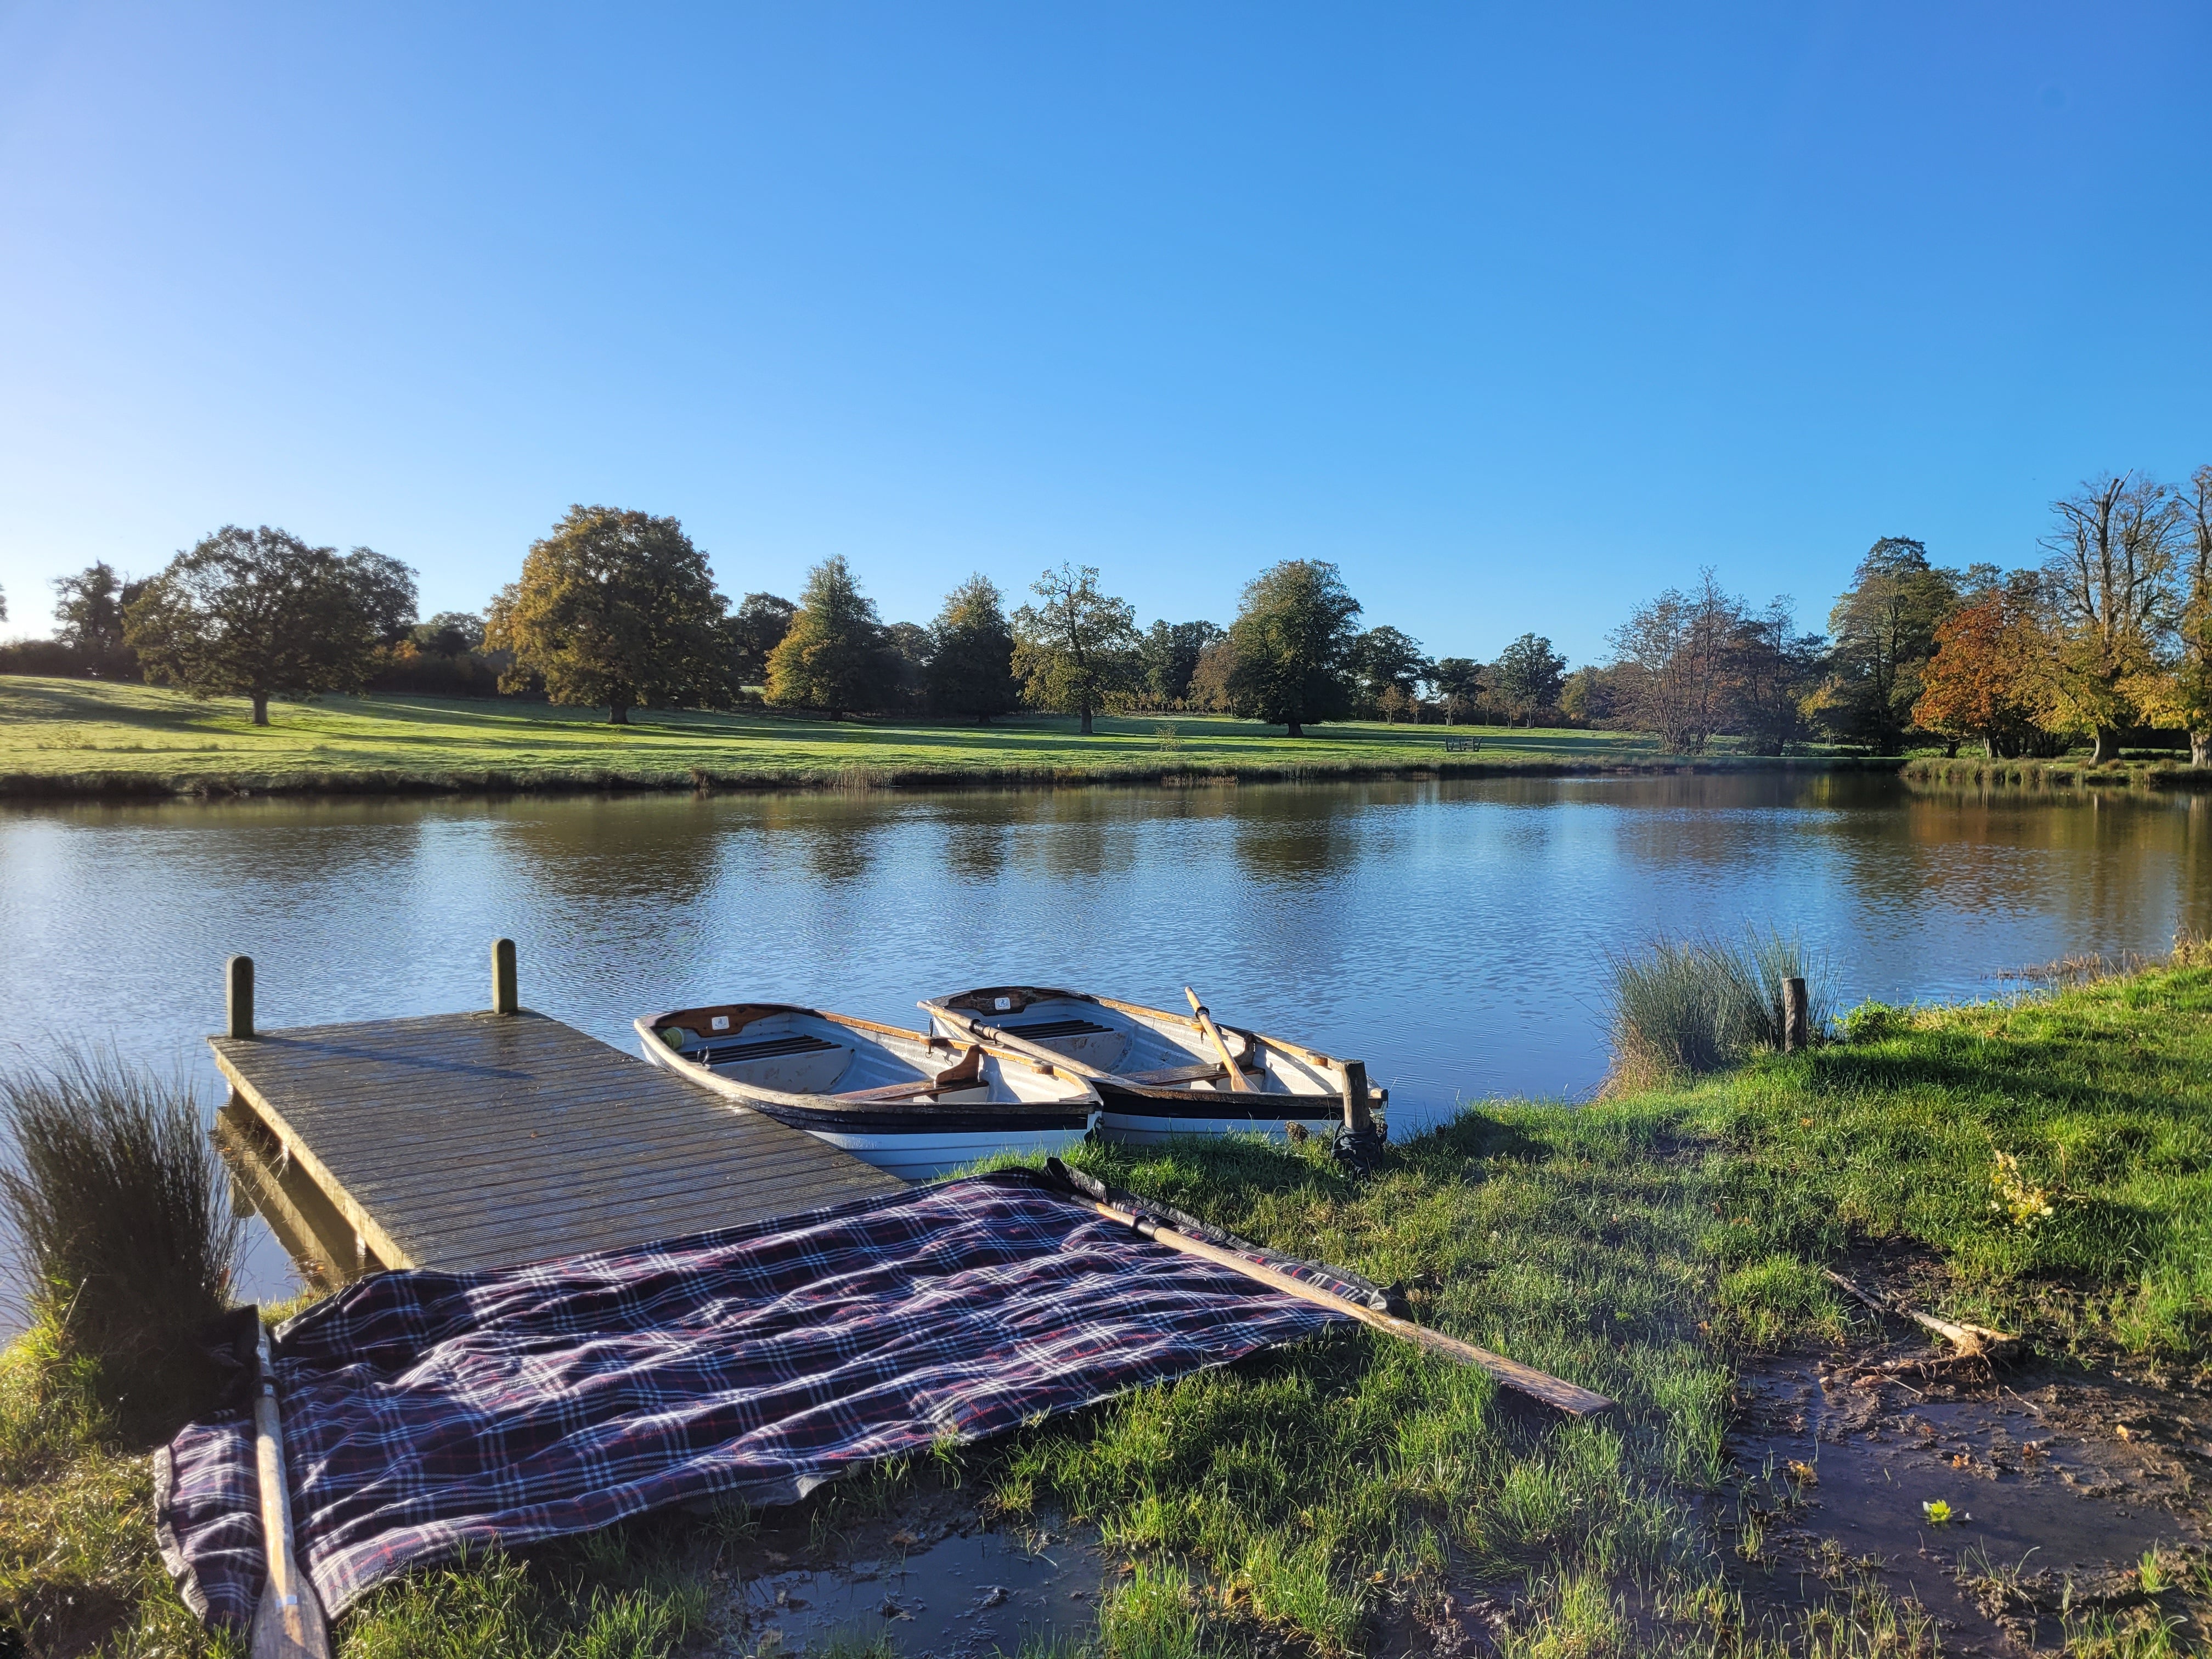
[(1043, 1030), (731, 1053)]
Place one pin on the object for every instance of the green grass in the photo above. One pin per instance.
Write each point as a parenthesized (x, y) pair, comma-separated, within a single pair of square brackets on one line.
[(1643, 1246), (73, 737)]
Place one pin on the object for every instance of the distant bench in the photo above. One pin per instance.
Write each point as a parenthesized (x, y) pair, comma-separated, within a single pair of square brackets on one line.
[(1461, 745)]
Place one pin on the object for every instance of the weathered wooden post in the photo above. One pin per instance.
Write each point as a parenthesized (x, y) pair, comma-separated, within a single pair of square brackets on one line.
[(1357, 1117), (503, 998), (1796, 1027), (238, 997)]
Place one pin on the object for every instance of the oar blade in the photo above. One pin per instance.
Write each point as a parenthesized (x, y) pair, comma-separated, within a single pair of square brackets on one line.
[(293, 1632)]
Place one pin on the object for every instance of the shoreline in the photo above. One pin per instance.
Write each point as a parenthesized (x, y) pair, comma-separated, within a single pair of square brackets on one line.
[(120, 785)]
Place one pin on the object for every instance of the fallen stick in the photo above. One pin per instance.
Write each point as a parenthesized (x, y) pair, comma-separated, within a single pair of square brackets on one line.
[(1237, 1079), (288, 1622), (1525, 1379), (1968, 1338)]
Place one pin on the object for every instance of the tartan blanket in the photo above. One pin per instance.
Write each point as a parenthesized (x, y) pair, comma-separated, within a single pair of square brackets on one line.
[(426, 1413)]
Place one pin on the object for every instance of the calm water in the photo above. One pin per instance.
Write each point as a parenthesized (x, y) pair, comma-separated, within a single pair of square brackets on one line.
[(1453, 935)]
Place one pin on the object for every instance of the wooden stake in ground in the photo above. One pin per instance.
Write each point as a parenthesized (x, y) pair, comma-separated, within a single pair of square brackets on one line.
[(1524, 1379), (289, 1623), (1236, 1079), (1967, 1338)]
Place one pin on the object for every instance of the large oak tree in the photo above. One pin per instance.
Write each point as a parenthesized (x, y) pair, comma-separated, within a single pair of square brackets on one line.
[(1292, 643), (615, 609), (259, 613)]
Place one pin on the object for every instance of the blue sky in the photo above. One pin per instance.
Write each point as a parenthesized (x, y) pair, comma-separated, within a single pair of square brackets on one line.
[(1517, 314)]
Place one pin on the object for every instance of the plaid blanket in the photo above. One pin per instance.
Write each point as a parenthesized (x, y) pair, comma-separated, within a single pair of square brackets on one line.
[(427, 1412)]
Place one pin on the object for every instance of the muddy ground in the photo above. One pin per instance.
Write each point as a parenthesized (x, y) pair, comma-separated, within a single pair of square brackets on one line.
[(2011, 1500), (2057, 1484)]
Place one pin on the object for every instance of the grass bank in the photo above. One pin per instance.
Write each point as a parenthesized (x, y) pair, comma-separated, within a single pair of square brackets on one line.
[(1335, 1498), (2068, 773), (78, 737)]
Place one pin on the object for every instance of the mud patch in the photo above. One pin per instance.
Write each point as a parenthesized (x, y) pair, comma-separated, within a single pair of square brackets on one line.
[(2016, 1506), (931, 1581)]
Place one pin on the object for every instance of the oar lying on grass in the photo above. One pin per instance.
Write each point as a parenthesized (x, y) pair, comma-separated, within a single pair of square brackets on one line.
[(1566, 1396), (1237, 1077), (289, 1623)]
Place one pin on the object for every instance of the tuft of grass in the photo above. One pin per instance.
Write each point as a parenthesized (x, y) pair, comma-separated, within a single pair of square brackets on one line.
[(116, 1204), (1704, 1004)]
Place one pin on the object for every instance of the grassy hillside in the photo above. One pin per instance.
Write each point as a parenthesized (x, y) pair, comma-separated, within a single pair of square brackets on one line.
[(1647, 1246), (59, 736)]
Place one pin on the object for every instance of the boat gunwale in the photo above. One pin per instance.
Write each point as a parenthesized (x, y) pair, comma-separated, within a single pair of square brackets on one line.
[(1255, 1041), (758, 1096)]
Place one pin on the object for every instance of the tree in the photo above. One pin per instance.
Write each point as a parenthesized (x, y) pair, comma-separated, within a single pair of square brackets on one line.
[(450, 633), (1589, 694), (615, 609), (1384, 661), (971, 665), (257, 613), (1459, 681), (1884, 630), (2183, 695), (907, 651), (1168, 657), (760, 622), (1209, 680), (1675, 655), (1527, 676), (88, 608), (835, 656), (1293, 640), (1989, 678), (1774, 672), (1076, 649), (2110, 578)]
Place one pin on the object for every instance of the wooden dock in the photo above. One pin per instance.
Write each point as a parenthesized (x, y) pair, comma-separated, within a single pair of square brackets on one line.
[(461, 1141)]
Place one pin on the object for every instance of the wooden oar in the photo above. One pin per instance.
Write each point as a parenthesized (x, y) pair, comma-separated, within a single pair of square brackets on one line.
[(1525, 1379), (289, 1623), (1237, 1079)]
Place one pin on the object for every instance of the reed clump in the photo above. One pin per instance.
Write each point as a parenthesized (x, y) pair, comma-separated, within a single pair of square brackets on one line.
[(123, 1240), (1706, 1003)]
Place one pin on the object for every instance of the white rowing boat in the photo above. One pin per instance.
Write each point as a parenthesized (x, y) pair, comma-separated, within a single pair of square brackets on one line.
[(1161, 1075), (915, 1105)]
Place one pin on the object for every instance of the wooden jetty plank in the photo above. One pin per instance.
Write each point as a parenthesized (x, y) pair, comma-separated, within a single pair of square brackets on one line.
[(416, 1136)]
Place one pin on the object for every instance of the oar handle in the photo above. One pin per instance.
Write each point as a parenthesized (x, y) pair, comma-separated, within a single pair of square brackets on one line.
[(1237, 1077)]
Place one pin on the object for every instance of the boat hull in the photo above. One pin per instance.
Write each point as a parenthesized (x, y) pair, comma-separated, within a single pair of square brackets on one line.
[(987, 1103), (1287, 1085)]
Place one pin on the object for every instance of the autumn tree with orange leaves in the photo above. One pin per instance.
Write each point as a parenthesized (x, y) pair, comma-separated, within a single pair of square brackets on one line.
[(1989, 678)]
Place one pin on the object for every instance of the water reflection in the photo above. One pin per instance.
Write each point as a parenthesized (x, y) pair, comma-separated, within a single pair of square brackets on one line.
[(1452, 933)]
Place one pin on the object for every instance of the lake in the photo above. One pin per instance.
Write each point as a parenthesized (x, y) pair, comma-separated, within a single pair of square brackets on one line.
[(1453, 935)]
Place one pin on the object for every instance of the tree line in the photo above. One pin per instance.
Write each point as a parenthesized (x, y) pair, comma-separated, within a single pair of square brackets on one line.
[(619, 609), (2107, 634)]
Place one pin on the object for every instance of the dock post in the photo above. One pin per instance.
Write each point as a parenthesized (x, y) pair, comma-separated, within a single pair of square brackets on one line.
[(238, 997), (504, 999), (1356, 1116), (1796, 1026)]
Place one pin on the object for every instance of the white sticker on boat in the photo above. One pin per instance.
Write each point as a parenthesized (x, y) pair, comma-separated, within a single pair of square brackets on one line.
[(720, 1022), (1002, 1002)]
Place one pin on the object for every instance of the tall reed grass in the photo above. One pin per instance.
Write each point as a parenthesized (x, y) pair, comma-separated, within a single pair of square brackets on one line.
[(1701, 1004), (116, 1205)]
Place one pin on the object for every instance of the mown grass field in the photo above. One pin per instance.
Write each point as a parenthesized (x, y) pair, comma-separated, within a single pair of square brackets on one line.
[(1646, 1246), (61, 737)]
